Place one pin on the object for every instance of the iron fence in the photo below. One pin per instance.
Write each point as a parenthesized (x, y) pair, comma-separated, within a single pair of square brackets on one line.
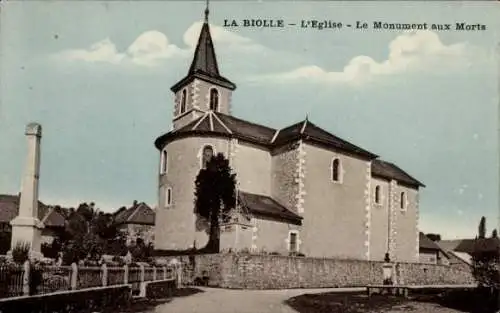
[(116, 276), (27, 279), (89, 277), (11, 280), (53, 278)]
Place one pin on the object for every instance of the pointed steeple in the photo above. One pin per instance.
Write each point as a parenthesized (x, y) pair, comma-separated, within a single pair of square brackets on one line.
[(204, 59), (204, 65)]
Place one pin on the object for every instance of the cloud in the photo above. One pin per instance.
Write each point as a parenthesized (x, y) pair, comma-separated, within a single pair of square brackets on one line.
[(409, 52), (223, 37), (102, 51), (152, 47)]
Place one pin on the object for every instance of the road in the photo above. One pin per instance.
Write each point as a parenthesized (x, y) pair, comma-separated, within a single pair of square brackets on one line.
[(213, 300)]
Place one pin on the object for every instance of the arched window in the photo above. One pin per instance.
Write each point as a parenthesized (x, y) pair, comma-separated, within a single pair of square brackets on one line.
[(377, 194), (214, 100), (336, 170), (183, 101), (206, 156), (402, 201), (164, 162), (168, 197)]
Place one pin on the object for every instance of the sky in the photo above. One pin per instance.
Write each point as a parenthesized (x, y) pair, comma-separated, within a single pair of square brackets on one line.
[(97, 76)]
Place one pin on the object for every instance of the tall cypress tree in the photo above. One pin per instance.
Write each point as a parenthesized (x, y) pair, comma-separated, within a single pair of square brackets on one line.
[(215, 196), (482, 228)]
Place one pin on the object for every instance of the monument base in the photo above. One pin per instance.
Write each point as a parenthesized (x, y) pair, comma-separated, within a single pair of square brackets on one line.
[(27, 230)]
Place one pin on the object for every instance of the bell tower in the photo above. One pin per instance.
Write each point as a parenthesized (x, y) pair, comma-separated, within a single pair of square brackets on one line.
[(204, 88)]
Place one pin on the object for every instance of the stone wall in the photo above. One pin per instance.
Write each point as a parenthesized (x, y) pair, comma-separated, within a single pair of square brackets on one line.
[(281, 272)]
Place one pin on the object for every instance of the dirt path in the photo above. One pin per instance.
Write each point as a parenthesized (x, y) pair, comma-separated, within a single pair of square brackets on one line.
[(236, 301), (211, 300)]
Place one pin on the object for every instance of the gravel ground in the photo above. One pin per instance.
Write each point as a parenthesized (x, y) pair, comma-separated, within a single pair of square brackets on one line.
[(211, 300)]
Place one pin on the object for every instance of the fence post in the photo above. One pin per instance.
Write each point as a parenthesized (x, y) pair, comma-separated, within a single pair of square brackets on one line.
[(104, 270), (74, 276), (142, 284), (164, 273), (154, 273), (179, 274), (141, 266), (26, 278), (125, 274)]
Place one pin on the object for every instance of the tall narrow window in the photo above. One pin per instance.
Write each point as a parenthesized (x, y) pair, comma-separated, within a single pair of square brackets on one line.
[(377, 194), (336, 170), (214, 100), (402, 201), (168, 197), (293, 246), (183, 101), (207, 154), (164, 162)]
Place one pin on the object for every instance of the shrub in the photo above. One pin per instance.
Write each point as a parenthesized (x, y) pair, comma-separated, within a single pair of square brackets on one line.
[(118, 260), (21, 252), (56, 282)]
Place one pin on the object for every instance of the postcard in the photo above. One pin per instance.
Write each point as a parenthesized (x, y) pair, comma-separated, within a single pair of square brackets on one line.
[(162, 148)]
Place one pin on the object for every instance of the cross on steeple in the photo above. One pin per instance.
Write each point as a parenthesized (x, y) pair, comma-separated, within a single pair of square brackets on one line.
[(206, 12)]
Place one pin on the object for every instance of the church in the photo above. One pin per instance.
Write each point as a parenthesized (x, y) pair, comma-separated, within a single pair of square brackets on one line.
[(301, 189)]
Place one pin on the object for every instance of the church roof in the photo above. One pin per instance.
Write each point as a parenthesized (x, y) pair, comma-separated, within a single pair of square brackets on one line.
[(204, 65), (308, 131), (389, 170), (216, 123), (265, 206), (204, 56)]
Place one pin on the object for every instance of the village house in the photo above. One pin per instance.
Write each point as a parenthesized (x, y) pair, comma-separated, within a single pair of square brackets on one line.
[(431, 253), (136, 222), (301, 189), (53, 218)]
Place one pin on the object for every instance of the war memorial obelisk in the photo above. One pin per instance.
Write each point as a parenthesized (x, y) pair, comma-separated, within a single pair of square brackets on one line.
[(26, 227)]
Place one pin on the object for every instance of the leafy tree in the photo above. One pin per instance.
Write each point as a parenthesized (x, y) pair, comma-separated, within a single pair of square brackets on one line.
[(88, 233), (482, 228), (215, 195), (494, 233), (486, 267)]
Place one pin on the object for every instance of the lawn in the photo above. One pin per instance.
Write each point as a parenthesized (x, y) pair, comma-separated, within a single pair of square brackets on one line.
[(361, 303)]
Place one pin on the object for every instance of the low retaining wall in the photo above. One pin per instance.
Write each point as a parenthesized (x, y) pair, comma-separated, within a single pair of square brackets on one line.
[(160, 289), (84, 300), (279, 272)]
